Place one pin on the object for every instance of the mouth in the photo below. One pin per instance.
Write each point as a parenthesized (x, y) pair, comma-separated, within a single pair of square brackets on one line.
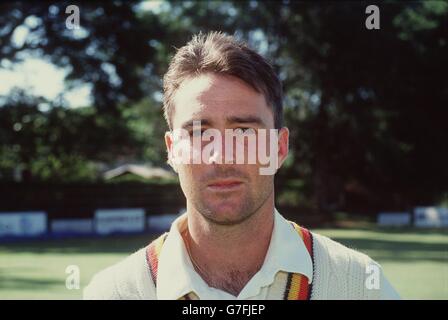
[(225, 185)]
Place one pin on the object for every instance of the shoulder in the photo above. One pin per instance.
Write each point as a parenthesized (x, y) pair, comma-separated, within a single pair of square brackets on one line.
[(339, 255), (127, 279), (341, 272)]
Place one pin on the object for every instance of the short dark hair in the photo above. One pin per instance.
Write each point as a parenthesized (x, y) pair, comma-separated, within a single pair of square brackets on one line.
[(222, 54)]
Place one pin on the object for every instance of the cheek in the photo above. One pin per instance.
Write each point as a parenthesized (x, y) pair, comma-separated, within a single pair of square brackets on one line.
[(185, 176), (189, 176), (258, 181)]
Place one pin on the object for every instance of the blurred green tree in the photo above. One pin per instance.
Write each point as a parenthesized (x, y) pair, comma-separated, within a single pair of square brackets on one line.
[(367, 109), (116, 51)]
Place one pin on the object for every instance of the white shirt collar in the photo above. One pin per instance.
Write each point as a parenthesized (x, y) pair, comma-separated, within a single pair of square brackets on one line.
[(177, 277)]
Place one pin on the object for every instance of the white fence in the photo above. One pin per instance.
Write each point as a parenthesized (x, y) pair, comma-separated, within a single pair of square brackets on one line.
[(430, 217), (23, 224), (394, 219)]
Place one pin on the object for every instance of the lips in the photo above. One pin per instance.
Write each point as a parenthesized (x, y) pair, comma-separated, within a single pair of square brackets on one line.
[(225, 184)]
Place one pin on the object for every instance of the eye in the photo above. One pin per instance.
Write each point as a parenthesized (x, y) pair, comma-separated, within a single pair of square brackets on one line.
[(244, 130), (197, 133)]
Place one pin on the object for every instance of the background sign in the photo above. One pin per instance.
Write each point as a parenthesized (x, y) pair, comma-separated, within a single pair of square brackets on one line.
[(109, 221), (23, 224)]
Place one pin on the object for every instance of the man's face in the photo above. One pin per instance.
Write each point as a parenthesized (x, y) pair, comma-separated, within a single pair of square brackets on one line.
[(224, 193)]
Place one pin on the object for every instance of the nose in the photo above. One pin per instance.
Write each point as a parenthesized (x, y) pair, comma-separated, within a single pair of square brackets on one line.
[(216, 156), (222, 151)]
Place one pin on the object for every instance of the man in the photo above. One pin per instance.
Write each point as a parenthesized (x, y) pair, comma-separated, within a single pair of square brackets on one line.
[(232, 243)]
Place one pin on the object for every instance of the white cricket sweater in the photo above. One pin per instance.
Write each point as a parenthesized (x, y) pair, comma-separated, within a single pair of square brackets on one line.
[(338, 273)]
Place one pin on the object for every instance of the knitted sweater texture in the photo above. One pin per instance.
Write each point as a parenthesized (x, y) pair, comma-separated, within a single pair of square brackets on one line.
[(339, 273)]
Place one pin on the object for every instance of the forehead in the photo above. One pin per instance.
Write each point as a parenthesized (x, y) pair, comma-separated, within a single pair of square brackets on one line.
[(216, 97)]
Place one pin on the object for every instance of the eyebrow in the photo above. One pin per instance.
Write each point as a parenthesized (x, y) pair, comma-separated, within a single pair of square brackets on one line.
[(245, 119), (232, 119), (189, 124)]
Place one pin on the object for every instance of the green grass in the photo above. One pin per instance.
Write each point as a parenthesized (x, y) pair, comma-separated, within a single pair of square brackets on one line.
[(415, 262)]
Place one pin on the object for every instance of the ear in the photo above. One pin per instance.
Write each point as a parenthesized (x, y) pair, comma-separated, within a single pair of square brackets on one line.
[(283, 145), (169, 149)]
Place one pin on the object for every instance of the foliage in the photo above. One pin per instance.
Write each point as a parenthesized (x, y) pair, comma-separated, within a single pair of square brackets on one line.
[(366, 108)]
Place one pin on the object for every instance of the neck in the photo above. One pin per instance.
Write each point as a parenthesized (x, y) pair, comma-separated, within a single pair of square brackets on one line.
[(230, 254)]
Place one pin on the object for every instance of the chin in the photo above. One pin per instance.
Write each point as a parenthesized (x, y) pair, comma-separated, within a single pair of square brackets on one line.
[(225, 213)]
